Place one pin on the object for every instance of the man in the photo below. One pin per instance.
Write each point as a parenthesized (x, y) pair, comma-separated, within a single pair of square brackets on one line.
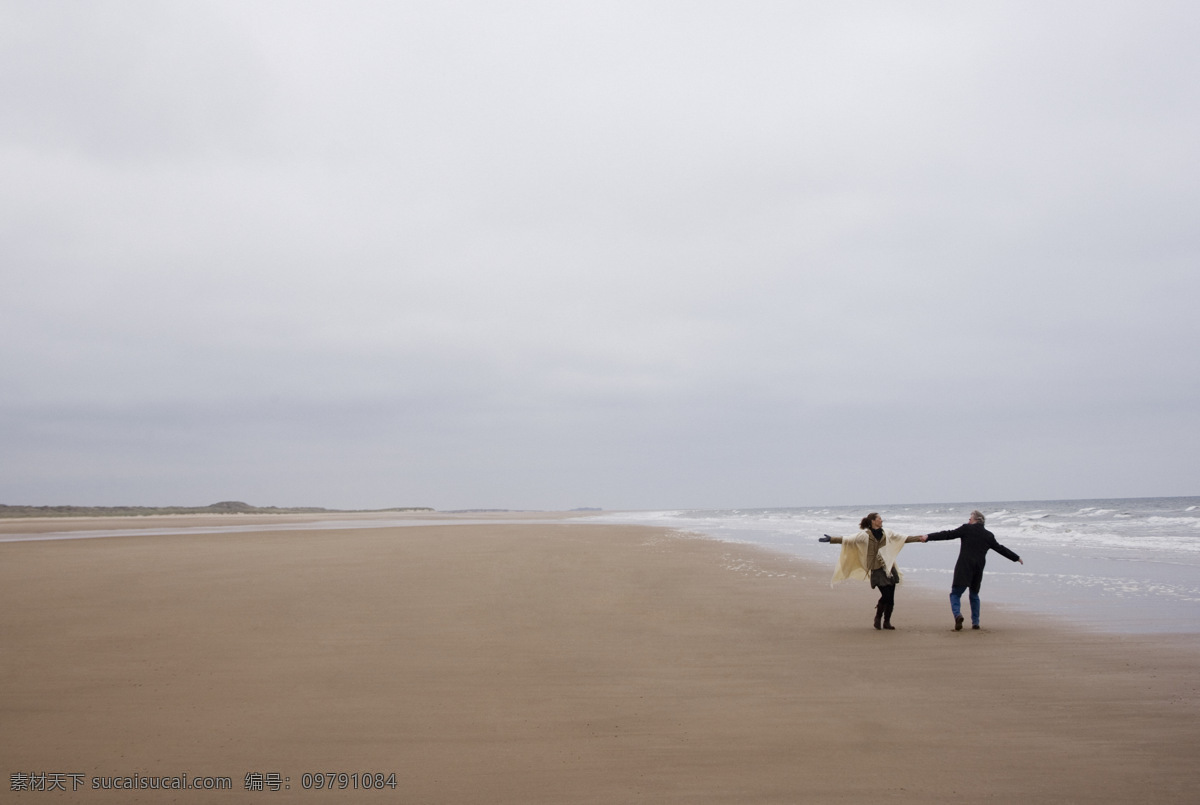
[(974, 543)]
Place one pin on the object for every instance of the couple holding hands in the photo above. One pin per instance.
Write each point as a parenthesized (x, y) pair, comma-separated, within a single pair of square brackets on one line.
[(870, 555)]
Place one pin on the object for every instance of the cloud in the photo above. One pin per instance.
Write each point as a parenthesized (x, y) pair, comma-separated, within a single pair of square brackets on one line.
[(685, 253)]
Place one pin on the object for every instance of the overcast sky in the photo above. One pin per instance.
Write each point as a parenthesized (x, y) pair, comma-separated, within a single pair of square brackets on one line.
[(631, 255)]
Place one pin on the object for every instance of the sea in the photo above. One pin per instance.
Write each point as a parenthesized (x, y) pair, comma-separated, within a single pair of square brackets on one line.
[(1128, 565)]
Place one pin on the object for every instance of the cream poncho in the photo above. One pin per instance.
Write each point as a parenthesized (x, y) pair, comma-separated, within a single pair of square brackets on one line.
[(852, 563)]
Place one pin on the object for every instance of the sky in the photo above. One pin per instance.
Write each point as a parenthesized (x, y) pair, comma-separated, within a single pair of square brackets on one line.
[(630, 255)]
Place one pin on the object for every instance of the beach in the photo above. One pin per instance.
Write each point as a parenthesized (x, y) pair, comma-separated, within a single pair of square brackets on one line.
[(515, 661)]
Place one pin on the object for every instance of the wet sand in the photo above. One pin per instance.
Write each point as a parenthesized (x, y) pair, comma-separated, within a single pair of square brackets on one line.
[(558, 663)]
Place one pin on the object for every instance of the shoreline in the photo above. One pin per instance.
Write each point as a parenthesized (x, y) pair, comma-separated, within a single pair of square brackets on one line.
[(1113, 586), (516, 662), (999, 593), (34, 528)]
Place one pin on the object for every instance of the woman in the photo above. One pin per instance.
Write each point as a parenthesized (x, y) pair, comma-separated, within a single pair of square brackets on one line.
[(871, 554)]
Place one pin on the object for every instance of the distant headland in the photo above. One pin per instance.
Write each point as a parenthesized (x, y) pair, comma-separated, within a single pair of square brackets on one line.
[(224, 507)]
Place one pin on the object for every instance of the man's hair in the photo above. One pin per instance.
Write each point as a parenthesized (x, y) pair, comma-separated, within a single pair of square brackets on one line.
[(978, 515)]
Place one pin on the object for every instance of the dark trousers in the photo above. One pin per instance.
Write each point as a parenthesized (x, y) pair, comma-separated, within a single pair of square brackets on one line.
[(887, 597)]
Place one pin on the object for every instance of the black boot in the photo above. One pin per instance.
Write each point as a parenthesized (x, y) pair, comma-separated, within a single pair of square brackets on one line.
[(887, 616), (878, 614)]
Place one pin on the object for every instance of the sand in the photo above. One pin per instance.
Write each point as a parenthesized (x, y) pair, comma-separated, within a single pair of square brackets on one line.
[(557, 663)]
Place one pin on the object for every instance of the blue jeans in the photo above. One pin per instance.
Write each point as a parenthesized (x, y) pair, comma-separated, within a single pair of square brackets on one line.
[(956, 603)]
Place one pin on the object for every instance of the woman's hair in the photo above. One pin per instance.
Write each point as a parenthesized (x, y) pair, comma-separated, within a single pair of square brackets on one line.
[(978, 515), (866, 521)]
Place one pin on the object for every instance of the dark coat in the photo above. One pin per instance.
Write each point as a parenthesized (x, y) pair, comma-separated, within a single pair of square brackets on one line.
[(974, 543)]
